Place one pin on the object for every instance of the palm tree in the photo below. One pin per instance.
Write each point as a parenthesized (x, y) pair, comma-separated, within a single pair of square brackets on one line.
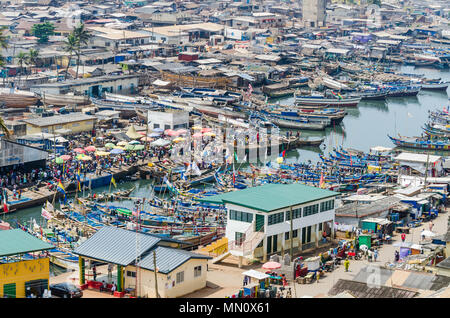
[(22, 58), (82, 36), (33, 56), (4, 129), (70, 47)]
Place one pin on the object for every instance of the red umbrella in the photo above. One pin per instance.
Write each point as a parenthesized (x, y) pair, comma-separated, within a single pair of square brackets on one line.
[(79, 150), (90, 148), (271, 265), (206, 130), (66, 157)]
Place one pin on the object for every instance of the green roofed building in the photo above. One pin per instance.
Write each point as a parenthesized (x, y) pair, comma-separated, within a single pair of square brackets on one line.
[(258, 218), (24, 269)]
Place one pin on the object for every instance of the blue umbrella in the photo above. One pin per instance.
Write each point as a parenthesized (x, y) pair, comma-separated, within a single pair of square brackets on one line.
[(116, 151)]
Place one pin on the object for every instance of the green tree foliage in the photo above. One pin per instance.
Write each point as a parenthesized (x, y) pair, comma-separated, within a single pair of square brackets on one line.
[(42, 31)]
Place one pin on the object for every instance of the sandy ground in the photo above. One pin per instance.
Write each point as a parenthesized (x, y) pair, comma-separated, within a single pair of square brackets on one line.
[(225, 278)]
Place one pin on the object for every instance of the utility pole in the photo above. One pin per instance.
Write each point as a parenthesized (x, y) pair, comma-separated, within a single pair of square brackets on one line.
[(426, 170), (155, 269), (290, 236)]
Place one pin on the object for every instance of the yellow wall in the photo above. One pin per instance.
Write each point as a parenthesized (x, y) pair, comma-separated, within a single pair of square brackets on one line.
[(22, 272), (189, 285), (75, 127)]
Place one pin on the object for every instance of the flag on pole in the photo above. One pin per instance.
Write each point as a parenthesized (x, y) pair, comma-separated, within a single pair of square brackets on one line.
[(45, 214), (49, 207), (236, 157), (322, 181), (60, 188), (113, 181), (5, 207)]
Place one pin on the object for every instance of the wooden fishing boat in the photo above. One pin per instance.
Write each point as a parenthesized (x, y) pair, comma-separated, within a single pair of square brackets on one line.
[(296, 124), (326, 102), (420, 143), (64, 99), (13, 98), (435, 85)]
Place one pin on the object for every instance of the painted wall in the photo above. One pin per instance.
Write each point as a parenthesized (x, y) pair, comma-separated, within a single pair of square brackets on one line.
[(166, 286), (76, 127), (22, 272), (11, 153)]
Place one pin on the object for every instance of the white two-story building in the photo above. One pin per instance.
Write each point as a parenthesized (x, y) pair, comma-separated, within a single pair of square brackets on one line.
[(259, 218)]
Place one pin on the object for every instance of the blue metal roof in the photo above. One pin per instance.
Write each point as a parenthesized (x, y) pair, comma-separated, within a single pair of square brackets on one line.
[(168, 259), (115, 245)]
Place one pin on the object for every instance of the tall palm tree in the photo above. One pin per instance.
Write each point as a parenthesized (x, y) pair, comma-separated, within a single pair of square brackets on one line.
[(4, 129), (33, 56), (22, 58), (82, 36), (70, 47)]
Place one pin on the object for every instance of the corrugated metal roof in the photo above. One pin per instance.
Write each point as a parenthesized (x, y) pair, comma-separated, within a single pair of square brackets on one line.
[(362, 290), (13, 242), (59, 119), (272, 197), (168, 259), (114, 245)]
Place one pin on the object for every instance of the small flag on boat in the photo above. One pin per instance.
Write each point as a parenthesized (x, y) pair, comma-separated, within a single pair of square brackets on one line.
[(113, 181), (283, 154), (45, 214), (322, 181), (235, 156), (49, 206), (60, 188)]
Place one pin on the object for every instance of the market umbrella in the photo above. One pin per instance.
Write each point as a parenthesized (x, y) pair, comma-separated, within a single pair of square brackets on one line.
[(90, 148), (102, 153), (139, 147), (171, 133), (66, 157), (211, 134), (427, 233), (160, 130), (59, 160), (197, 135), (146, 139), (160, 143), (197, 128), (134, 142), (154, 134), (122, 143), (178, 139), (141, 133), (181, 131), (206, 129), (110, 145), (79, 150), (131, 133), (83, 157), (271, 265), (119, 147), (116, 151)]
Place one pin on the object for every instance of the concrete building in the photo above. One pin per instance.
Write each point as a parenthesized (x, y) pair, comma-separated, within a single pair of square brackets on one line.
[(179, 272), (19, 277), (72, 123), (113, 39), (314, 13), (258, 219), (169, 119), (13, 153), (95, 86)]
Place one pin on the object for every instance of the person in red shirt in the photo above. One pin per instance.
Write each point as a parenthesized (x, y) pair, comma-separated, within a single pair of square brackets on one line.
[(403, 237)]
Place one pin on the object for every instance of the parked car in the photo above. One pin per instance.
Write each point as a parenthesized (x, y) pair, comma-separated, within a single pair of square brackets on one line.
[(66, 290)]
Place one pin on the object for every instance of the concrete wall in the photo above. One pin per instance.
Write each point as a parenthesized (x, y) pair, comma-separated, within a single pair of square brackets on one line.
[(168, 118), (166, 289), (76, 127), (22, 272), (11, 153)]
